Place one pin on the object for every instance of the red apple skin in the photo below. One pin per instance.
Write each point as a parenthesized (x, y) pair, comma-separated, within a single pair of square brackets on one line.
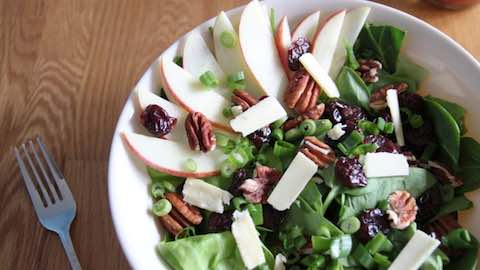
[(171, 93), (297, 27), (320, 26), (163, 169), (283, 40)]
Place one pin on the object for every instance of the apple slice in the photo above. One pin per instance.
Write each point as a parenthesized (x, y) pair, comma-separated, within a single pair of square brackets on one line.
[(326, 39), (319, 74), (352, 25), (145, 98), (191, 95), (170, 157), (197, 59), (307, 27), (283, 40), (231, 59), (259, 50)]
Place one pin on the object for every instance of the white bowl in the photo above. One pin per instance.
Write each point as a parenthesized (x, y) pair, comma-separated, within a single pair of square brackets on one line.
[(454, 75)]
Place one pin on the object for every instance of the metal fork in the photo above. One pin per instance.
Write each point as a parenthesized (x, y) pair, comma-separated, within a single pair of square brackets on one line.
[(51, 197)]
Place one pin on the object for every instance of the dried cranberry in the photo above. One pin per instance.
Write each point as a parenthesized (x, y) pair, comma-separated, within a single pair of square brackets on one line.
[(156, 120), (428, 204), (220, 222), (339, 112), (384, 144), (239, 176), (272, 218), (349, 171), (412, 101), (260, 137), (385, 114), (372, 221), (295, 50), (418, 138)]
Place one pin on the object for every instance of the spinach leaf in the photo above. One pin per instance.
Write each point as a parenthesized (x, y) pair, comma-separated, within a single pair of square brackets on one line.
[(157, 176), (351, 60), (385, 78), (312, 196), (446, 131), (411, 72), (469, 165), (382, 42), (416, 183), (457, 112), (456, 204), (328, 176), (352, 88), (219, 181), (466, 262)]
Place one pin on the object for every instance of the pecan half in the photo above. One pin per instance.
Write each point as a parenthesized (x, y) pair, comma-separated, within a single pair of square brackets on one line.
[(314, 113), (199, 132), (244, 99), (181, 216), (442, 226), (369, 69), (402, 209), (378, 99), (302, 92), (444, 174), (256, 190), (318, 151)]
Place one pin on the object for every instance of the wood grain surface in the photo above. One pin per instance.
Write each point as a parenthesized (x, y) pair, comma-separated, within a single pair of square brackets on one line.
[(66, 69)]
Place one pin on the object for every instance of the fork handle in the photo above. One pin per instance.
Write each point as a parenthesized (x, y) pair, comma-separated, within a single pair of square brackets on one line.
[(68, 246)]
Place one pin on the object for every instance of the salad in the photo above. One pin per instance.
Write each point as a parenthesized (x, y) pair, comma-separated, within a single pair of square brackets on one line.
[(304, 149)]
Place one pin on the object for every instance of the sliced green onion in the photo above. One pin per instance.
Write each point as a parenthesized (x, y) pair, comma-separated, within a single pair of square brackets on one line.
[(321, 244), (351, 141), (350, 225), (283, 149), (361, 255), (323, 126), (387, 246), (221, 139), (278, 123), (157, 190), (381, 260), (415, 120), (272, 19), (314, 261), (169, 186), (239, 203), (208, 79), (374, 245), (324, 231), (227, 112), (277, 134), (368, 127), (388, 129), (178, 60), (363, 149), (428, 152), (341, 246), (190, 165), (227, 39), (342, 148), (237, 159), (240, 85), (308, 127), (236, 77), (227, 168), (293, 134), (256, 212), (161, 207), (380, 123)]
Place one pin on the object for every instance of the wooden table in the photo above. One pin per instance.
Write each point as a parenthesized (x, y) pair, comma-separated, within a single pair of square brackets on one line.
[(66, 69)]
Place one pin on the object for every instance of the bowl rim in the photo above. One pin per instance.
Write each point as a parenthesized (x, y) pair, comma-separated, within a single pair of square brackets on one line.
[(115, 213)]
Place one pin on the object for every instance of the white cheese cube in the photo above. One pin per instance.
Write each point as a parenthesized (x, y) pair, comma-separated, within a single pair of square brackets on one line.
[(384, 164), (319, 74), (265, 112), (337, 131), (293, 181), (247, 239), (417, 250), (392, 102), (204, 195)]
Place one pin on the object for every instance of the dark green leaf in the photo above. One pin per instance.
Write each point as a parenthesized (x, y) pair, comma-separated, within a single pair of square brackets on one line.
[(157, 176), (414, 73), (351, 60), (457, 112), (466, 262), (469, 162), (328, 175), (446, 131), (352, 88), (456, 204), (219, 181)]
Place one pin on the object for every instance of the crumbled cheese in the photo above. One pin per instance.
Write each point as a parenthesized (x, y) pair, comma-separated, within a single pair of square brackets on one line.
[(204, 195), (414, 254), (247, 239), (392, 101), (337, 131), (237, 110), (265, 112), (384, 164), (280, 261), (293, 181)]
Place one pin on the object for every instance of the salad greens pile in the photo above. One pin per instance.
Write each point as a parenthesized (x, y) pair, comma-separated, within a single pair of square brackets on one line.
[(333, 224)]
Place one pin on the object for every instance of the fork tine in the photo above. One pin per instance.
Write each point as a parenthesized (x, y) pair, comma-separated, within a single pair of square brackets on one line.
[(45, 175), (32, 191), (58, 176), (37, 177)]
